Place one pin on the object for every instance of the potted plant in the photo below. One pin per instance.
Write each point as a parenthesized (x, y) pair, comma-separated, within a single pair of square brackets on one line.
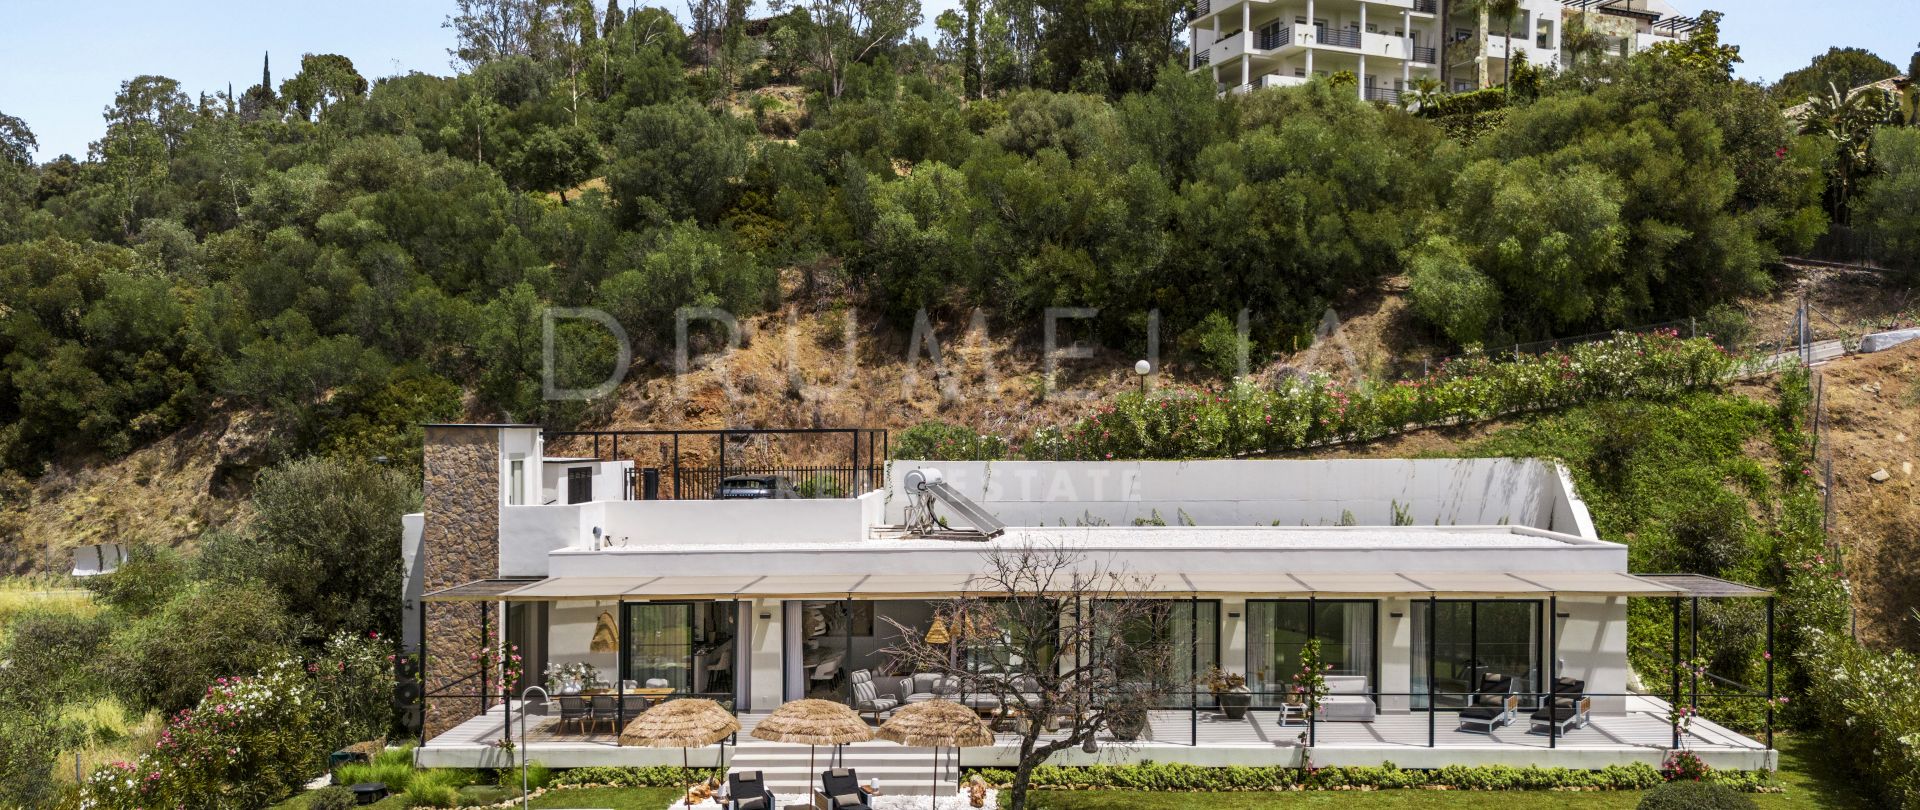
[(1230, 692), (1128, 722)]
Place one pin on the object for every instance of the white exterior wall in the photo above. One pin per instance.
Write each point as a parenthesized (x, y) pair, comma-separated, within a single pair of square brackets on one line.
[(1443, 492), (570, 638), (609, 479), (1593, 647)]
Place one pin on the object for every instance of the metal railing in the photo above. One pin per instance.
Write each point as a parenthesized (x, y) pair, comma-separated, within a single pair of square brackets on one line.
[(1203, 58), (1339, 38), (690, 464), (1275, 37), (1386, 94), (1426, 56), (1426, 6)]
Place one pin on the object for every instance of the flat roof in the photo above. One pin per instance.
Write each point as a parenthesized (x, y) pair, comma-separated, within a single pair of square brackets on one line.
[(1152, 538), (921, 586)]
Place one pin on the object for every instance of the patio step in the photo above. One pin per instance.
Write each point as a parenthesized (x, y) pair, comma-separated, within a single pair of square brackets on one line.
[(901, 771)]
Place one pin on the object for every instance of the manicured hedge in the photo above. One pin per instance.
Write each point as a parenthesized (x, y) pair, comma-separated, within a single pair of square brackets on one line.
[(1180, 777), (645, 776)]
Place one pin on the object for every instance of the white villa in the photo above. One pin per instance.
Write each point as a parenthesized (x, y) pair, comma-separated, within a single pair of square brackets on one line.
[(1388, 44), (1420, 578)]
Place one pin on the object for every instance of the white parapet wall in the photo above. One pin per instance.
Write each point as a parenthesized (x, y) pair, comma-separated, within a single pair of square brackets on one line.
[(1237, 492)]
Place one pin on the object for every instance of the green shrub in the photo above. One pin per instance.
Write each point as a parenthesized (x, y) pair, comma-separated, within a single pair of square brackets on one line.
[(1873, 701), (646, 776), (333, 797), (1470, 103), (939, 441), (433, 796), (1303, 412), (1694, 796)]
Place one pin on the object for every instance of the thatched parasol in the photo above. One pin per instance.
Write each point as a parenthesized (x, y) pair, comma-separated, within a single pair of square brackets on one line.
[(938, 724), (683, 724), (811, 722)]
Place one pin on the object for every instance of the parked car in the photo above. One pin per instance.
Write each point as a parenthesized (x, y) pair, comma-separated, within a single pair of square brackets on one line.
[(747, 487)]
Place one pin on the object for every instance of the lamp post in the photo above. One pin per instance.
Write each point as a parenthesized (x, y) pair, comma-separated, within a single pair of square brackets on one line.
[(1142, 368)]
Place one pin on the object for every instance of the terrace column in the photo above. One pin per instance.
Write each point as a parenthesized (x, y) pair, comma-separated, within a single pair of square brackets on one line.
[(1396, 654), (1233, 635), (1315, 43), (1406, 65), (767, 637), (1362, 33), (460, 543), (1246, 42)]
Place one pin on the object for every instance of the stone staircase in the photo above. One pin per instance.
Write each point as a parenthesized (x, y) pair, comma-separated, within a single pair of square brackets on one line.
[(902, 771)]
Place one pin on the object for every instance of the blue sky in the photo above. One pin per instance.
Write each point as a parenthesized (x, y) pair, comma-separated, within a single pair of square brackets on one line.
[(62, 60)]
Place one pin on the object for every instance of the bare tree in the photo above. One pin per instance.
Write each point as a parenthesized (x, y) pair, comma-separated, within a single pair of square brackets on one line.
[(1055, 638)]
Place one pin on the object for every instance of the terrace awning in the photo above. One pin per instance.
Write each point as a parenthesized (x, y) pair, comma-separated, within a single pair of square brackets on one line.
[(929, 586)]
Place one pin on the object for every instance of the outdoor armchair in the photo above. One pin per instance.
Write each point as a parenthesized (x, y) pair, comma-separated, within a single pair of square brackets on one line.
[(1568, 707), (842, 789), (1494, 703), (867, 698)]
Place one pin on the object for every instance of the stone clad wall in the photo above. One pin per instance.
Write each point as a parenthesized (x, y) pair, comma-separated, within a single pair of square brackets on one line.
[(459, 544)]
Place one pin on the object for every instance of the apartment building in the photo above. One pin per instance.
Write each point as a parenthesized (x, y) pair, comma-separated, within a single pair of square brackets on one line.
[(1387, 45)]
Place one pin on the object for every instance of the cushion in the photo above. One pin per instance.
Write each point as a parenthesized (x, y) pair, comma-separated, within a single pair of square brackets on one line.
[(840, 772), (1346, 684), (1481, 713), (921, 697), (850, 799), (1563, 686), (752, 803), (1560, 713), (863, 691)]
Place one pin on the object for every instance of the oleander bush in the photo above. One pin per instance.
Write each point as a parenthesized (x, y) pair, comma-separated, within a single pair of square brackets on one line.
[(1306, 411), (1181, 777), (1872, 702), (255, 739)]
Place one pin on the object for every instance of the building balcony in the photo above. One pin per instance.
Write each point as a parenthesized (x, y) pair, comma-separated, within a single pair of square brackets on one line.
[(1386, 94)]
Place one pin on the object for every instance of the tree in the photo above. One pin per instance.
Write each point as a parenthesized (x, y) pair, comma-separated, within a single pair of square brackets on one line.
[(17, 143), (677, 161), (1890, 205), (486, 30), (325, 537), (1846, 68), (557, 159), (1846, 120), (838, 33), (1062, 638), (324, 79), (208, 630)]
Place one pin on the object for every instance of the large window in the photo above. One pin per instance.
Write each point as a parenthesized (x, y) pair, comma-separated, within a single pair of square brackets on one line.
[(685, 646), (1469, 639), (1277, 633)]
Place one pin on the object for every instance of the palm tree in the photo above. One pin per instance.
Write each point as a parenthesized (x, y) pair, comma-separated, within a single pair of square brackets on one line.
[(1425, 91), (1580, 40), (1506, 10)]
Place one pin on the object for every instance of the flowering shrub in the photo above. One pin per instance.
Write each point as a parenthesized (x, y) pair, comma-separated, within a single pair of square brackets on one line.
[(254, 739), (1176, 776), (250, 741), (1305, 411), (1870, 702), (1685, 765)]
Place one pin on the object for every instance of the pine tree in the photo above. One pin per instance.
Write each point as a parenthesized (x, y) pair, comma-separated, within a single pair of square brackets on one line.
[(613, 20)]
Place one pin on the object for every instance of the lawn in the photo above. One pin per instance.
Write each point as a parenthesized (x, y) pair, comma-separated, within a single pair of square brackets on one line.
[(1810, 786)]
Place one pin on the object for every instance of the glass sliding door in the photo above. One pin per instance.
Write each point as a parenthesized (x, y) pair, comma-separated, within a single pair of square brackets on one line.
[(1171, 643), (1469, 639), (1277, 633), (683, 646)]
